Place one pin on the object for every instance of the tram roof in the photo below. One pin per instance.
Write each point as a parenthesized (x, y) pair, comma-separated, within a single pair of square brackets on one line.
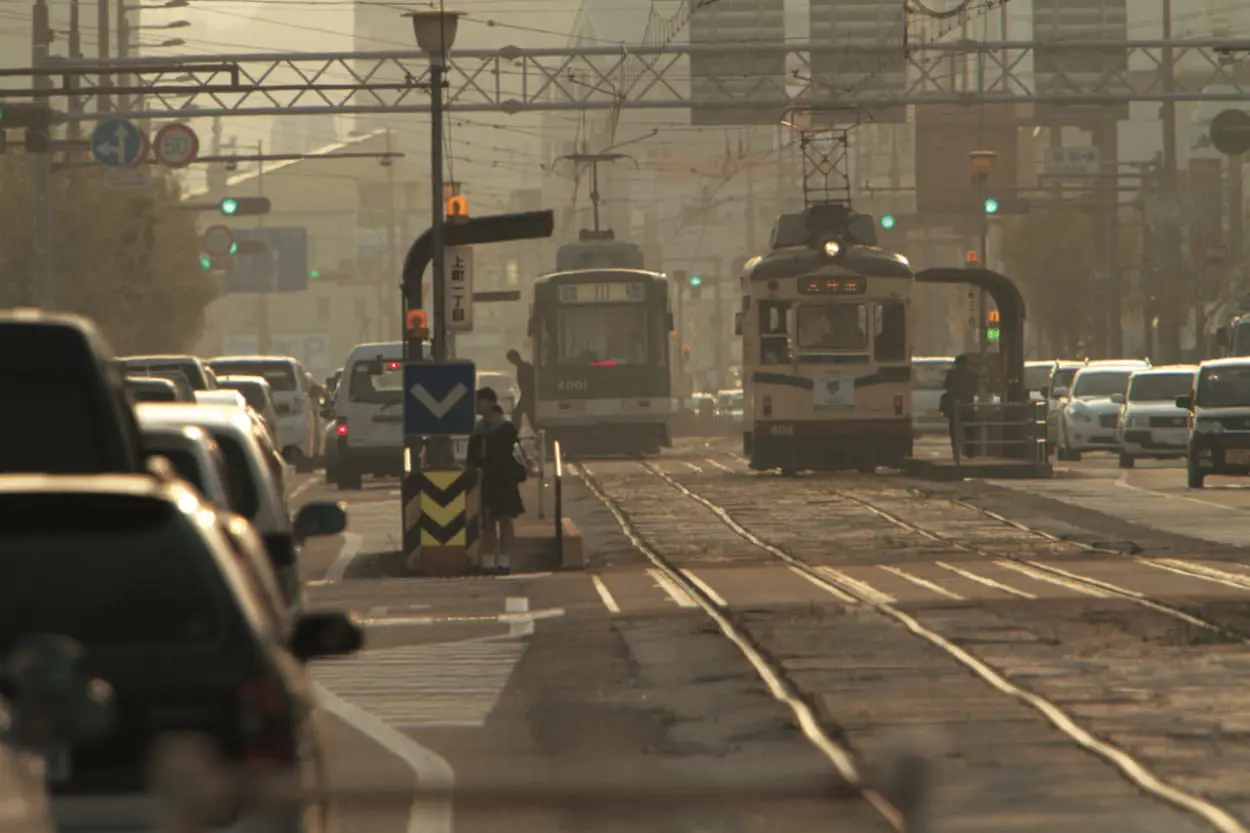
[(612, 271), (797, 261)]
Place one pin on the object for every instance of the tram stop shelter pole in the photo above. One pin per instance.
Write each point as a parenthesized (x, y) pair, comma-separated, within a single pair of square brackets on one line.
[(439, 497)]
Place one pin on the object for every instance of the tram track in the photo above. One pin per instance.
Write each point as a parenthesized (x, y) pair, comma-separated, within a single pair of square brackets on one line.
[(848, 589)]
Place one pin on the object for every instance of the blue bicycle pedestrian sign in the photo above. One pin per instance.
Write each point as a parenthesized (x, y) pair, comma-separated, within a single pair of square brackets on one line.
[(118, 143)]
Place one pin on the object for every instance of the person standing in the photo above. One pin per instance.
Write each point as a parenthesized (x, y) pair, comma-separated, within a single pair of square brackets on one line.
[(500, 488), (525, 384), (960, 388)]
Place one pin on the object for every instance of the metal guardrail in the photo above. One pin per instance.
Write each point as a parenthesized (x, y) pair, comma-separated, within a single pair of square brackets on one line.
[(1011, 431), (541, 442)]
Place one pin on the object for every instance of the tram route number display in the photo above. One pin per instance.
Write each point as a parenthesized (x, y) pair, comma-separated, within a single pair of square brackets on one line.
[(832, 392), (832, 286), (602, 293)]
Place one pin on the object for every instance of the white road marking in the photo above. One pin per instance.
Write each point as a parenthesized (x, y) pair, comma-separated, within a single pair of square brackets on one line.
[(518, 627), (863, 587), (1201, 571), (430, 771), (720, 466), (691, 466), (705, 587), (921, 582), (672, 589), (352, 542), (605, 595), (453, 619), (1051, 579), (980, 579), (828, 588), (303, 487)]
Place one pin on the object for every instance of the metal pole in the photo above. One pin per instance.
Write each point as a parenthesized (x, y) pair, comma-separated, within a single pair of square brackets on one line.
[(41, 170), (75, 51), (123, 51), (1170, 315), (392, 255), (102, 12), (440, 452), (542, 473), (263, 336), (982, 310)]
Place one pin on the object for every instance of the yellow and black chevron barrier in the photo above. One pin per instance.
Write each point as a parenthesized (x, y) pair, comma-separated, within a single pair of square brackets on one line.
[(442, 521)]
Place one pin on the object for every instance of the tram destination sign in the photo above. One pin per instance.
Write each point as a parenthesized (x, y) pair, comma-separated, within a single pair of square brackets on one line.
[(602, 293), (832, 286)]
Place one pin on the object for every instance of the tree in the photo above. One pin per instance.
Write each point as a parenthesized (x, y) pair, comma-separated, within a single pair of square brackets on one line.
[(126, 258), (1050, 255)]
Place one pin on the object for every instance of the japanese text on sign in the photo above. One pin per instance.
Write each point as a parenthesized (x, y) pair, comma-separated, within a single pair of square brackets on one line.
[(459, 267)]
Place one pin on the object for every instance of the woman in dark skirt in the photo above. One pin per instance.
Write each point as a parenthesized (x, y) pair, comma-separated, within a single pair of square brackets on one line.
[(501, 480)]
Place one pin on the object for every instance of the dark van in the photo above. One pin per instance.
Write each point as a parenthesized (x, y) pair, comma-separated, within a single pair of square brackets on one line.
[(66, 410)]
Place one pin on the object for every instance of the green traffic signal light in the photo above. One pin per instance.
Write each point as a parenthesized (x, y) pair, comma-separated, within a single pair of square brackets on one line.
[(313, 274), (229, 206), (992, 334), (887, 221), (206, 262), (234, 248), (991, 205), (696, 281)]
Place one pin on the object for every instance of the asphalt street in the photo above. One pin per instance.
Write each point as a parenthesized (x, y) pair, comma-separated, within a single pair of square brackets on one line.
[(585, 699)]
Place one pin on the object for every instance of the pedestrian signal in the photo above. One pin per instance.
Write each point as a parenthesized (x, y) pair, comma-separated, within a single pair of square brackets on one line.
[(415, 322), (971, 258), (992, 332)]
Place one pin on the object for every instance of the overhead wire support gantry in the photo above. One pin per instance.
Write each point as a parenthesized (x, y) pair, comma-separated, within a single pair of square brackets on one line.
[(513, 80)]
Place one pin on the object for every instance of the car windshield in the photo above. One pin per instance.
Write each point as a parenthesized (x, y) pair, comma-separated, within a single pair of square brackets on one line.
[(106, 570), (1102, 383), (279, 374), (1160, 387), (377, 382), (1062, 377), (190, 371), (1036, 376), (1224, 387), (930, 375), (252, 392)]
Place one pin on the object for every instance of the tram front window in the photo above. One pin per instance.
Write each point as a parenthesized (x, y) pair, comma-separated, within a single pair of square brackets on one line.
[(833, 327), (609, 334)]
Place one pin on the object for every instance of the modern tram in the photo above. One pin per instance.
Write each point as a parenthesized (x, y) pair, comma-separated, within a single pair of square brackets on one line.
[(826, 353), (601, 345)]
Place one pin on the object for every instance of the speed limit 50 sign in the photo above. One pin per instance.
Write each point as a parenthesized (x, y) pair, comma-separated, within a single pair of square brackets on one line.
[(176, 146)]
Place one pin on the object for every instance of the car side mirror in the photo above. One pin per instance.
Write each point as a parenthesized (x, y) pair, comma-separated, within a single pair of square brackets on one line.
[(330, 633), (1186, 402), (321, 517), (737, 323), (1117, 398), (55, 701)]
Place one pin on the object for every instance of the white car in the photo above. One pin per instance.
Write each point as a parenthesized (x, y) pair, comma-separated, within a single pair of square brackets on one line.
[(1091, 415), (1056, 396), (299, 432), (1151, 425)]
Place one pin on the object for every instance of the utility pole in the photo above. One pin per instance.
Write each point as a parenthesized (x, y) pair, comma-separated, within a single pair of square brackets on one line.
[(42, 290), (718, 322), (1168, 343), (392, 256), (105, 30), (263, 336), (1106, 139), (75, 52), (123, 52)]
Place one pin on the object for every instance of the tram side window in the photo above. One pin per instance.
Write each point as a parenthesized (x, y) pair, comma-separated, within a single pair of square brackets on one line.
[(774, 332), (890, 333)]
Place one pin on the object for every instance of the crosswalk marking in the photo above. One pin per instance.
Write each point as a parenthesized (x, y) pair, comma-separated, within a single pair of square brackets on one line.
[(670, 587), (705, 587), (925, 583), (988, 582), (452, 684)]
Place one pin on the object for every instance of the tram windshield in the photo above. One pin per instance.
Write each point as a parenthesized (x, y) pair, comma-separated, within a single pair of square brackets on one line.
[(601, 334), (833, 327)]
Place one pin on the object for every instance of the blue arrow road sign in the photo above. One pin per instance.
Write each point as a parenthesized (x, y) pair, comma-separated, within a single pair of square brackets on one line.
[(117, 143), (439, 398)]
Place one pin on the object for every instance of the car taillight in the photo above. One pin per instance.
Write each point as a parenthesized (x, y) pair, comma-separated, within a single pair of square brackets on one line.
[(265, 718), (341, 429)]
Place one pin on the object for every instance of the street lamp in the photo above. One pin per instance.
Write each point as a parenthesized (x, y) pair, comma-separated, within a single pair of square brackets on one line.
[(435, 32)]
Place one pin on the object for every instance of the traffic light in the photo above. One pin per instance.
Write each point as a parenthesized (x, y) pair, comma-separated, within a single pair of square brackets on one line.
[(696, 281), (314, 274), (35, 119), (991, 205), (457, 207), (206, 262), (242, 206), (887, 221), (971, 259), (992, 332)]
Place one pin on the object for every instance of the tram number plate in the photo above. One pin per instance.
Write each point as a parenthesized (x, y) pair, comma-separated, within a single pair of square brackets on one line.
[(1238, 457), (782, 431)]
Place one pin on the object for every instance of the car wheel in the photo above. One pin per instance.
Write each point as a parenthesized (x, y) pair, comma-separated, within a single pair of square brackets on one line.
[(1126, 461), (1196, 477)]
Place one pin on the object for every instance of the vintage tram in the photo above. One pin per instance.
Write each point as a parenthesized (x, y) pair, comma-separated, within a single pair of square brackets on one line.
[(826, 352)]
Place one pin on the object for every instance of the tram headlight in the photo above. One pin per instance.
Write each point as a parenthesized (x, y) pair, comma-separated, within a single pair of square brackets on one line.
[(832, 248)]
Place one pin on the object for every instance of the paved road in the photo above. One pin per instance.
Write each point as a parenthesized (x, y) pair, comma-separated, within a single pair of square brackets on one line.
[(616, 675)]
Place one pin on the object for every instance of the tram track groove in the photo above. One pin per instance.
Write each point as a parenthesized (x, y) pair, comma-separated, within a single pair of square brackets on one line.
[(1137, 772), (842, 758)]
